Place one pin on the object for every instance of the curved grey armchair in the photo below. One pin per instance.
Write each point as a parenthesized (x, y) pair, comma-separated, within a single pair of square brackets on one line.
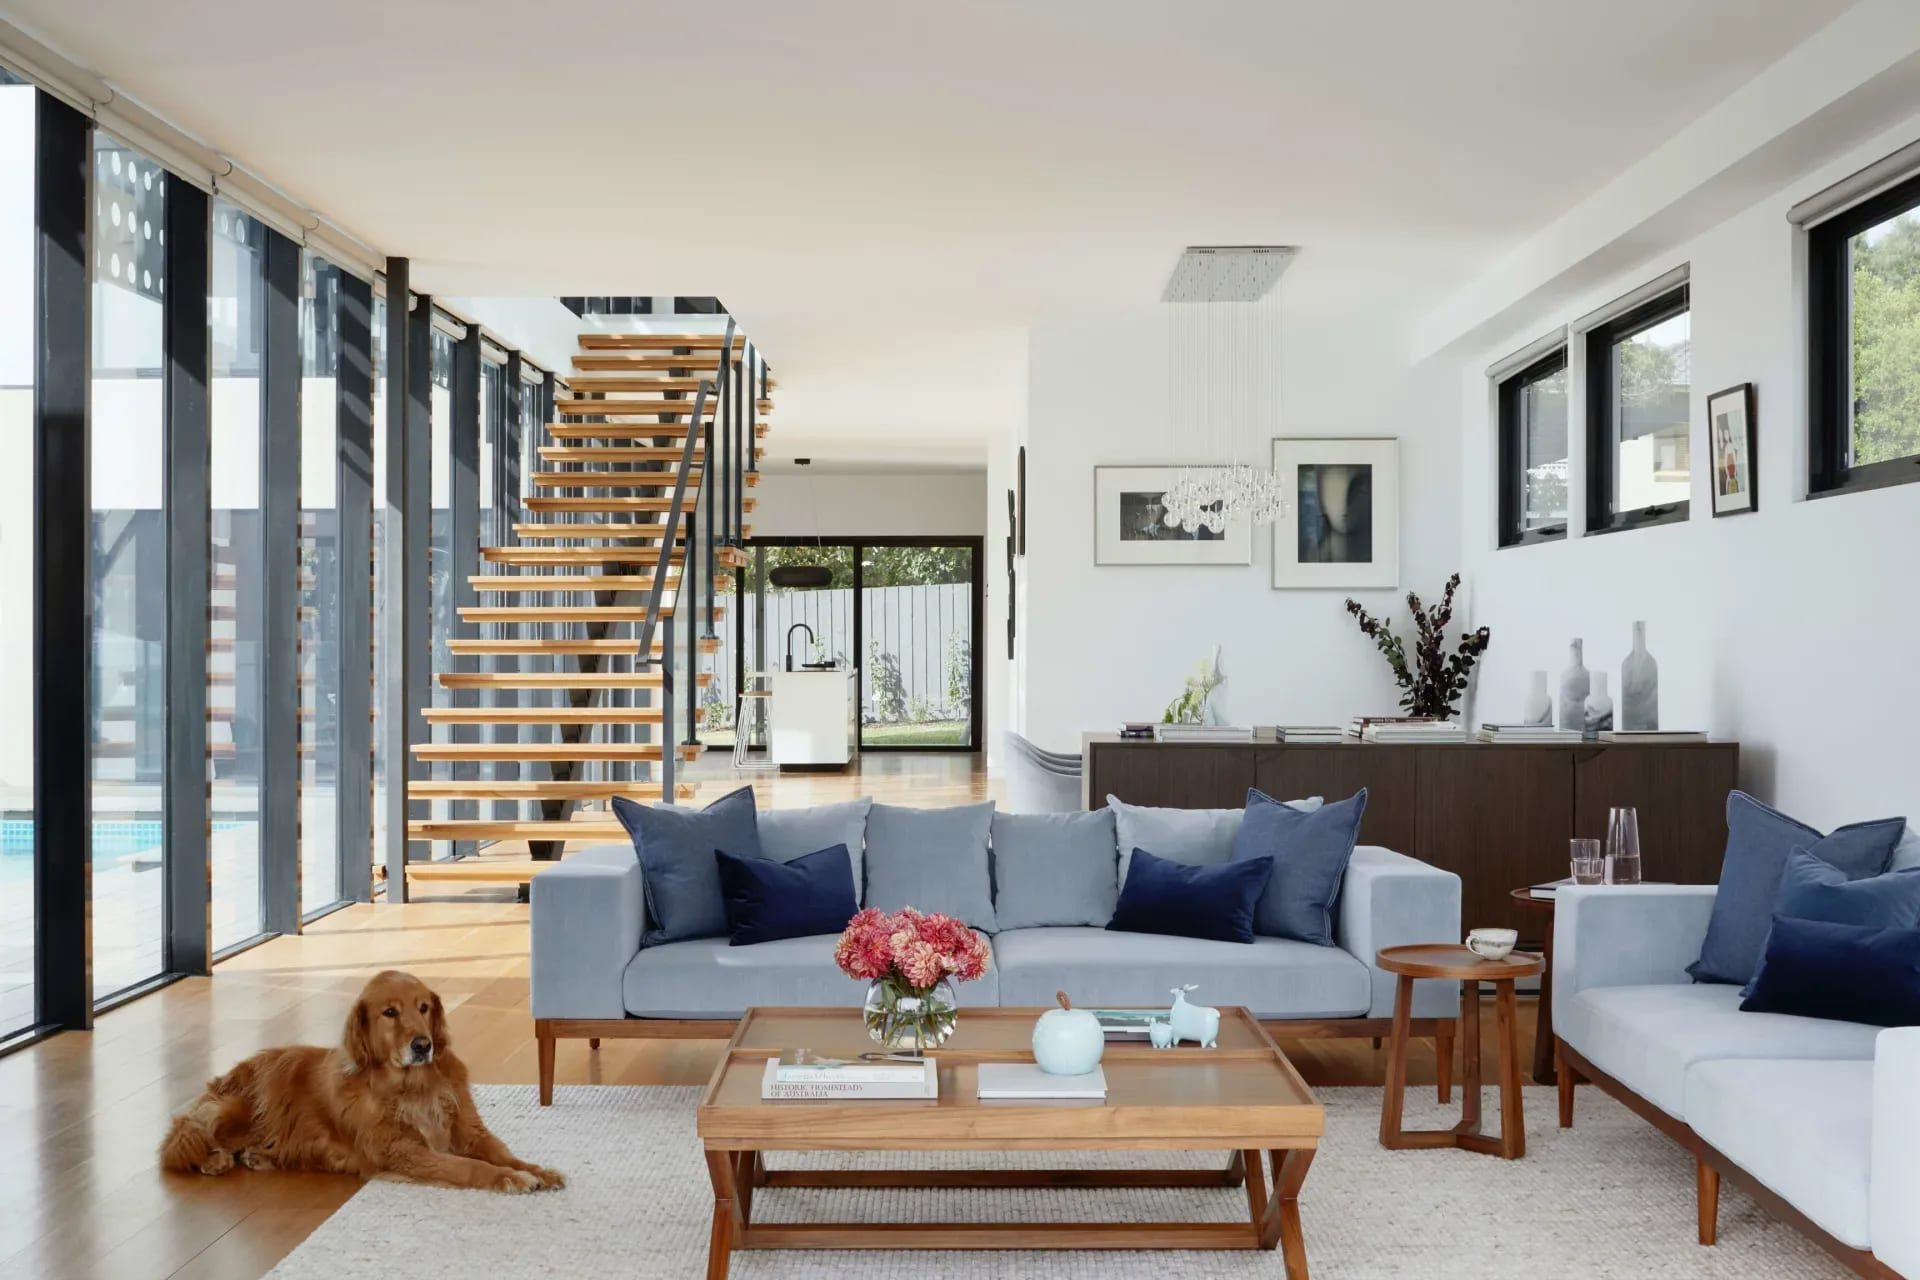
[(1040, 781)]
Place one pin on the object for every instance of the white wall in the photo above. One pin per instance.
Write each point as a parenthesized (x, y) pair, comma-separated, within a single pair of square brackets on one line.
[(801, 502), (1110, 643), (1791, 629)]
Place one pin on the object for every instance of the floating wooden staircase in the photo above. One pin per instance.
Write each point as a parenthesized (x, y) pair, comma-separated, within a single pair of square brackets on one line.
[(573, 676)]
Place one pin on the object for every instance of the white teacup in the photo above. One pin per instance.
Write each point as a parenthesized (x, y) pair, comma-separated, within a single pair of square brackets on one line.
[(1492, 944)]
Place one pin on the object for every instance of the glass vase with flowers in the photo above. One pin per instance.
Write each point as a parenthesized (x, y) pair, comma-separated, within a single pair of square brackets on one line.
[(911, 962)]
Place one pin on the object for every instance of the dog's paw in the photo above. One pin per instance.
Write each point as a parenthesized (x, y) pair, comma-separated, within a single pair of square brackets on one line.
[(550, 1179), (516, 1182), (216, 1163), (249, 1158)]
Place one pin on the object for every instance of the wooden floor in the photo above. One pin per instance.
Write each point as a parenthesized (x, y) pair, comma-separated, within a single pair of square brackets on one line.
[(82, 1113)]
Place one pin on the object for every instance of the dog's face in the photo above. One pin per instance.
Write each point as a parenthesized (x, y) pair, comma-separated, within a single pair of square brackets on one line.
[(397, 1022)]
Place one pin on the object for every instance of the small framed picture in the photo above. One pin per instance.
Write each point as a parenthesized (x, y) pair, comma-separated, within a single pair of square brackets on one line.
[(1734, 450), (1130, 523), (1341, 529)]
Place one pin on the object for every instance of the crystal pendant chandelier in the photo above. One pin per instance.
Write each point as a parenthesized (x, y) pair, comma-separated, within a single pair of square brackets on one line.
[(1223, 367)]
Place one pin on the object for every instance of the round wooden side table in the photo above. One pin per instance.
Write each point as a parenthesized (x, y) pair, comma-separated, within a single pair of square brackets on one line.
[(1457, 963), (1543, 1069)]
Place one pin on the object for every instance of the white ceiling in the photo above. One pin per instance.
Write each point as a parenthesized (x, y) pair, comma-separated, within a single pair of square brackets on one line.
[(887, 194)]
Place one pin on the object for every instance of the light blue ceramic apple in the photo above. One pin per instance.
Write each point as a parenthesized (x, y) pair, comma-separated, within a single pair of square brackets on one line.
[(1067, 1041)]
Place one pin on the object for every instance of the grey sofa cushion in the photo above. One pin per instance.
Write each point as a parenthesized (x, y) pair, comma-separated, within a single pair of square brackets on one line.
[(786, 834), (1054, 868), (705, 978), (675, 846), (1310, 852), (1197, 837), (1274, 977), (1648, 1037), (932, 860)]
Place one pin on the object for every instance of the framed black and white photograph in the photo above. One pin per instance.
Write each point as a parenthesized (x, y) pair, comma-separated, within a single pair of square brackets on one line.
[(1734, 450), (1130, 523), (1341, 529), (1020, 515)]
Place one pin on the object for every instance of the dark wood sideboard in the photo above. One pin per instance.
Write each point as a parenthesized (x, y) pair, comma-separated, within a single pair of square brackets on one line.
[(1498, 816)]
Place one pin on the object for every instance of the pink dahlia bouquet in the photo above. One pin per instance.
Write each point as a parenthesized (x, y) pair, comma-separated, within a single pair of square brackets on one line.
[(909, 949)]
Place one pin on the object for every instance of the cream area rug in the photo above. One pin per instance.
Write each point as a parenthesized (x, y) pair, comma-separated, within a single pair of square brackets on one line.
[(1609, 1198)]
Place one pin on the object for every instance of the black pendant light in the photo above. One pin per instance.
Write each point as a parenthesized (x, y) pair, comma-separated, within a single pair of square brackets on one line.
[(804, 577)]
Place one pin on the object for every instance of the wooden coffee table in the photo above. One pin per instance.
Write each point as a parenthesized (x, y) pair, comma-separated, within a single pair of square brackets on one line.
[(1459, 964), (1243, 1099)]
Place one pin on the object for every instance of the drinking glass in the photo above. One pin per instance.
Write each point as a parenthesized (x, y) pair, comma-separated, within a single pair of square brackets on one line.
[(1588, 866), (1623, 846)]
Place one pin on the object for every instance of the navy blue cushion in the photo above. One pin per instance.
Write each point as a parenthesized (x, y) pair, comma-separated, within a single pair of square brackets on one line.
[(1814, 890), (1310, 852), (675, 846), (1841, 972), (766, 901), (1163, 896), (1759, 838)]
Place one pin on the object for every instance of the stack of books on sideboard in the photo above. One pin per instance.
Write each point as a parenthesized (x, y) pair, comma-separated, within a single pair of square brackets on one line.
[(1384, 729), (801, 1073)]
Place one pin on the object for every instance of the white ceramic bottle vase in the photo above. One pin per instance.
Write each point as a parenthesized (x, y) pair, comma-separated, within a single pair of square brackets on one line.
[(1599, 707), (1574, 687), (1539, 706), (1639, 685)]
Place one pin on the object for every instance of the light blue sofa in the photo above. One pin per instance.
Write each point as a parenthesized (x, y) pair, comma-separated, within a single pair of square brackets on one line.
[(592, 978), (1820, 1120)]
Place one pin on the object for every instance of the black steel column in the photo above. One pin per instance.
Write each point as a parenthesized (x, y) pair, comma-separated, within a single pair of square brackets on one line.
[(280, 731), (62, 519), (403, 567), (744, 441), (416, 684), (686, 604), (354, 499), (186, 862), (463, 538)]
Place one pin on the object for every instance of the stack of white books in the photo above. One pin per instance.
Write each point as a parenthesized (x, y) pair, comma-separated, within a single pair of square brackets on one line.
[(1413, 731), (800, 1073), (1203, 733), (1005, 1080), (1308, 733), (1528, 733), (1652, 735)]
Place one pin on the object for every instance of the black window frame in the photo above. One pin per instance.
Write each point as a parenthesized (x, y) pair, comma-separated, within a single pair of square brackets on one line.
[(1602, 462), (1513, 461), (1829, 351)]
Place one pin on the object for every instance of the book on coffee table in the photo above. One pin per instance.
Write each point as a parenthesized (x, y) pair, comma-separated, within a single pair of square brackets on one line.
[(927, 1085), (804, 1066), (1126, 1024), (1001, 1080)]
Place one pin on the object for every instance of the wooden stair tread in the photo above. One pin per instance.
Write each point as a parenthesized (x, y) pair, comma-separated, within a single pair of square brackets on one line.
[(595, 828), (620, 479), (629, 407), (514, 790), (542, 715), (657, 341), (626, 430), (559, 613), (593, 505), (581, 751), (577, 555), (623, 453), (500, 584), (471, 648), (645, 362), (626, 531), (557, 680), (637, 382)]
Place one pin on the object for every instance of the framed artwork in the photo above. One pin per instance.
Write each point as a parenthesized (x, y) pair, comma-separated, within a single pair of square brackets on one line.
[(1020, 485), (1735, 450), (1341, 530), (1130, 527)]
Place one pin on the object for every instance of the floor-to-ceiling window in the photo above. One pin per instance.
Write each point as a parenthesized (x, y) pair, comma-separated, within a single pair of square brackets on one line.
[(129, 575), (236, 570), (320, 583), (17, 924), (379, 344), (440, 574)]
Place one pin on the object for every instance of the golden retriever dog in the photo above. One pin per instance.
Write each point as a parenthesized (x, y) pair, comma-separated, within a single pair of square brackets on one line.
[(390, 1102)]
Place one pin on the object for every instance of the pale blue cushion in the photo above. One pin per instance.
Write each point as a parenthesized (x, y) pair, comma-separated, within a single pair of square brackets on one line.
[(1803, 1128), (1907, 853), (704, 978), (1310, 851), (675, 846), (1197, 837), (786, 834), (1759, 838), (1097, 968), (1814, 889), (1647, 1037), (1054, 869), (931, 860)]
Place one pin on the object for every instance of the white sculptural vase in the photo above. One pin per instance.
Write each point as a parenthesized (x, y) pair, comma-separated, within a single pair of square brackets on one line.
[(1574, 687), (1639, 685), (1539, 707), (1599, 708)]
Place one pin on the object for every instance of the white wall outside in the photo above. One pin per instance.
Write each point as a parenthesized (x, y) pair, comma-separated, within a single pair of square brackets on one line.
[(802, 502)]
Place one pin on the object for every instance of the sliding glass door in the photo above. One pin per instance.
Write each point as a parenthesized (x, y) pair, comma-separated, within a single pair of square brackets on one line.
[(905, 610)]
